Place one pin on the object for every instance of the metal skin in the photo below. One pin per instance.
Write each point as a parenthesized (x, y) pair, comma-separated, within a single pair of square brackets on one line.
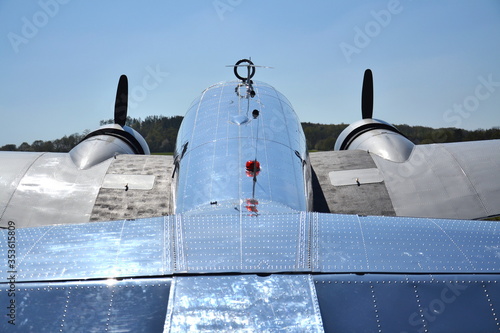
[(207, 273), (377, 137), (47, 188), (223, 130), (110, 140), (96, 149)]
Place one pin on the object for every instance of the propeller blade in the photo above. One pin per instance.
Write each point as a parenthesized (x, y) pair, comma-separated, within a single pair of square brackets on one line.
[(121, 101), (367, 95)]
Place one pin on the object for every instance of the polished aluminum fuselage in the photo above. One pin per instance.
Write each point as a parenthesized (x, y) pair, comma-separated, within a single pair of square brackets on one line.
[(220, 133)]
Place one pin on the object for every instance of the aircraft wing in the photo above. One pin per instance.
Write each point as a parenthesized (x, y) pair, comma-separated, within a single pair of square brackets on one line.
[(294, 272), (452, 180), (57, 191), (376, 170), (243, 251)]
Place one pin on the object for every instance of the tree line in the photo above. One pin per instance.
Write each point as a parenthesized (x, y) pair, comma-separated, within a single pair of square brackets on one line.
[(160, 133), (323, 137)]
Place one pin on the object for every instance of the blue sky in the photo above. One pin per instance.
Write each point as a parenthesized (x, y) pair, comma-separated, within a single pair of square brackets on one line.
[(435, 63)]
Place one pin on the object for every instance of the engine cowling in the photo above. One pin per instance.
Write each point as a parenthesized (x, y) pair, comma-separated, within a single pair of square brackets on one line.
[(106, 142), (110, 140), (377, 137), (374, 135)]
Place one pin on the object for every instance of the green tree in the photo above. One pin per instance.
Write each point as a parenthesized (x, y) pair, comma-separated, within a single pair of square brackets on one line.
[(8, 147)]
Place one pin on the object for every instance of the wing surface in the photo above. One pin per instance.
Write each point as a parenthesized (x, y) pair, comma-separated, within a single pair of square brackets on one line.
[(452, 180), (56, 191), (294, 272)]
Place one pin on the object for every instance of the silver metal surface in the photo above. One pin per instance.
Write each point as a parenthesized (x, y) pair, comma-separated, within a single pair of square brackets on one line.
[(139, 138), (455, 180), (386, 144), (246, 243), (294, 243), (290, 242), (96, 150), (355, 177), (409, 303), (13, 166), (38, 189), (346, 303), (244, 303), (219, 134), (50, 190), (91, 250), (350, 243), (377, 137), (128, 182), (131, 305)]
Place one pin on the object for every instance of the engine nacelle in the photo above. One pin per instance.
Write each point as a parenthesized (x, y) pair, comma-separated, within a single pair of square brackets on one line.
[(377, 137), (110, 140), (106, 142)]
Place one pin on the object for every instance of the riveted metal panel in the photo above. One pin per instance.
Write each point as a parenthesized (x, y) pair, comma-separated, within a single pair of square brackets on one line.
[(137, 305), (219, 135), (244, 303), (350, 243), (338, 244), (408, 303), (244, 243), (247, 243), (92, 250)]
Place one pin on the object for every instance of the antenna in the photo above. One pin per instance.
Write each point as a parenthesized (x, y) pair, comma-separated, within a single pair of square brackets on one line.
[(246, 80), (250, 69)]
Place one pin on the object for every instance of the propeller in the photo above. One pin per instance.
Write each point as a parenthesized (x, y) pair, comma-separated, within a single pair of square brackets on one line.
[(121, 101), (367, 95)]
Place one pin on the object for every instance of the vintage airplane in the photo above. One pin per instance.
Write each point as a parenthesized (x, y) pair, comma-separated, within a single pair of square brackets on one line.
[(243, 230)]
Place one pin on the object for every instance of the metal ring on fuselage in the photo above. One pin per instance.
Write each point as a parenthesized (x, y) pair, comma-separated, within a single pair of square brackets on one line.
[(252, 72)]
